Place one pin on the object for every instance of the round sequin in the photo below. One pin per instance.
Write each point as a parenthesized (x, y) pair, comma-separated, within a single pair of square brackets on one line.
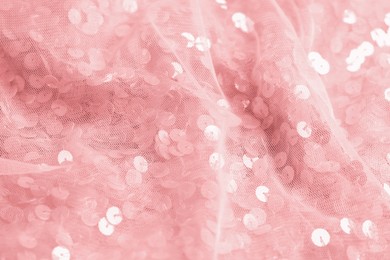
[(36, 81), (250, 221), (74, 16), (130, 6), (177, 135), (349, 17), (185, 147), (27, 241), (262, 193), (128, 210), (303, 129), (59, 107), (114, 215), (287, 174), (64, 156), (32, 61), (280, 159), (133, 177), (44, 95), (387, 94), (216, 161), (320, 65), (140, 164), (212, 133), (302, 92), (369, 229), (209, 189), (60, 253), (105, 227), (42, 212), (232, 186), (320, 237), (346, 225)]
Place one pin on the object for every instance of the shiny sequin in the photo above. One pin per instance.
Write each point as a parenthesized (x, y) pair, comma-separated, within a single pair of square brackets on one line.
[(74, 16), (369, 229), (386, 188), (178, 69), (216, 161), (140, 164), (346, 225), (380, 37), (64, 156), (303, 129), (250, 221), (349, 17), (114, 216), (59, 107), (212, 133), (387, 94), (242, 22), (105, 227), (320, 65), (320, 237), (262, 193), (60, 253)]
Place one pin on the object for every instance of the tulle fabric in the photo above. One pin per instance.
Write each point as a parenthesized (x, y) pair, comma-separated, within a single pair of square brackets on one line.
[(194, 129)]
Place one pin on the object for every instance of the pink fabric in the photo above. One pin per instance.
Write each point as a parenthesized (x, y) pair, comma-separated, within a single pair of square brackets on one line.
[(194, 129)]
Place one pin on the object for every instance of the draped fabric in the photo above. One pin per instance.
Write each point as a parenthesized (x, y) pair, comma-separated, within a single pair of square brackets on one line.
[(194, 129)]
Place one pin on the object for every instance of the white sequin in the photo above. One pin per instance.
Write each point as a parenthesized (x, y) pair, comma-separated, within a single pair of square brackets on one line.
[(303, 129), (114, 216), (242, 22), (387, 19), (130, 6), (320, 237), (346, 225), (178, 69), (320, 65), (387, 94), (248, 162), (369, 229), (64, 156), (349, 17), (380, 37), (388, 158), (202, 44), (105, 227), (250, 221), (262, 193), (366, 48), (140, 164), (302, 92), (386, 187), (212, 133), (60, 253), (163, 136), (223, 103), (216, 161)]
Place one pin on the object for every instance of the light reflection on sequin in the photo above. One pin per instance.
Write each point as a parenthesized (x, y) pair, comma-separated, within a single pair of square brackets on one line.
[(303, 129), (320, 237), (250, 221), (25, 182), (346, 225), (242, 22), (178, 69), (212, 133), (369, 229), (349, 17), (232, 186), (64, 156), (74, 16), (60, 253), (387, 94), (262, 193), (27, 241), (114, 215), (380, 37), (105, 227), (386, 187), (216, 161), (320, 65), (387, 19)]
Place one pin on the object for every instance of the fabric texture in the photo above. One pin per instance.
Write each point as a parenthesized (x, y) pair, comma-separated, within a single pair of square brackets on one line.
[(194, 129)]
